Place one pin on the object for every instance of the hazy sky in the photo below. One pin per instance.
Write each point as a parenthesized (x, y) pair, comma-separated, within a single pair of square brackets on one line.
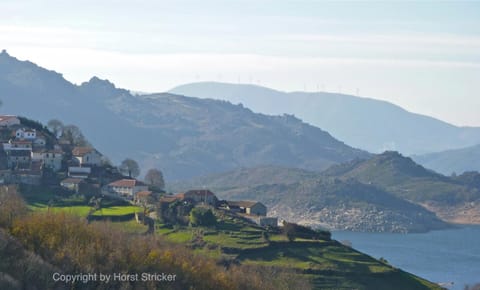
[(424, 56)]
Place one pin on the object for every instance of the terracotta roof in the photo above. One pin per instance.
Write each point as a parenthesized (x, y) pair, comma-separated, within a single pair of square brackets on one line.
[(21, 142), (180, 196), (81, 151), (7, 117), (242, 203), (169, 198), (144, 193), (200, 192), (72, 180), (126, 183)]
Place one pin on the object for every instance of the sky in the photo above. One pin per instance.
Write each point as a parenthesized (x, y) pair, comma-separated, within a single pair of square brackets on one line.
[(421, 55)]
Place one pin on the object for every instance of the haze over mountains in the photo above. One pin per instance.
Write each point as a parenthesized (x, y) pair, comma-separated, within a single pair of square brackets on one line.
[(452, 161), (364, 123), (388, 192), (183, 136)]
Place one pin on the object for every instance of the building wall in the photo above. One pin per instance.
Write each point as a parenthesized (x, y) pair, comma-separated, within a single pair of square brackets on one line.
[(26, 134), (257, 209), (209, 199), (10, 122), (92, 158), (49, 159)]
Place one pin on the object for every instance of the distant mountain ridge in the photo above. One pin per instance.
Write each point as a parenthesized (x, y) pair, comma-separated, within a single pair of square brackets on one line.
[(452, 161), (364, 123), (183, 136)]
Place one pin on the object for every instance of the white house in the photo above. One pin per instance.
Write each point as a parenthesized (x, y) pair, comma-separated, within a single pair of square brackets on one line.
[(24, 145), (72, 184), (18, 158), (50, 158), (127, 188), (87, 156), (28, 134), (9, 120)]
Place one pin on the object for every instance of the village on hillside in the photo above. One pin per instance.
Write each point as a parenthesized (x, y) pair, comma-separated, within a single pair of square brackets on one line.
[(33, 155)]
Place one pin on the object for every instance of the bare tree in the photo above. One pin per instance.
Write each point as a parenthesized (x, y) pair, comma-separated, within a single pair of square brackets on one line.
[(56, 126), (74, 135), (155, 177), (130, 167)]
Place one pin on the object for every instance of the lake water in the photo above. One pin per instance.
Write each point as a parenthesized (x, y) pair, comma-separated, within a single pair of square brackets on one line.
[(438, 256)]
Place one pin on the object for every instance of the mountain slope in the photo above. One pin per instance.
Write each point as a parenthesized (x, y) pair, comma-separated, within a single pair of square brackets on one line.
[(183, 136), (364, 123), (447, 162), (314, 199), (406, 179)]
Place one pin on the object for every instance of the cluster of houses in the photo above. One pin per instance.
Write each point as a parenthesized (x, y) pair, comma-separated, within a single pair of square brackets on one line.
[(252, 210), (25, 155)]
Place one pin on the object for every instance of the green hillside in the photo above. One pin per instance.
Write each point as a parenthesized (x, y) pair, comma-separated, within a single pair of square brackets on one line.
[(403, 177), (325, 263), (238, 252)]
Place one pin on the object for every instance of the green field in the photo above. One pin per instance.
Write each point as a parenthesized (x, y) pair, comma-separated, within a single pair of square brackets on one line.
[(117, 210), (84, 210), (327, 264)]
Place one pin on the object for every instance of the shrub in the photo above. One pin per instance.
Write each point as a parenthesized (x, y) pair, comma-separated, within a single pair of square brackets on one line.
[(202, 217)]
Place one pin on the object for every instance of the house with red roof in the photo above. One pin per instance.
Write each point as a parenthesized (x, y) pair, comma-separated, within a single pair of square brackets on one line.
[(87, 156), (127, 188), (9, 120)]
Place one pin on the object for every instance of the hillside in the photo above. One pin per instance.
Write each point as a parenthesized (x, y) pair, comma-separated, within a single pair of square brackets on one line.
[(449, 161), (454, 200), (184, 136), (406, 179), (233, 254), (317, 200), (365, 123), (382, 193), (245, 177)]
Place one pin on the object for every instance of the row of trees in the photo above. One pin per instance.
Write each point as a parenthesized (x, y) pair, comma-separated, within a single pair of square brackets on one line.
[(70, 132), (154, 177)]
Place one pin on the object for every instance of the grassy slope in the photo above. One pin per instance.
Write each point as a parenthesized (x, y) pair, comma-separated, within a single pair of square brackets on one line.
[(328, 264)]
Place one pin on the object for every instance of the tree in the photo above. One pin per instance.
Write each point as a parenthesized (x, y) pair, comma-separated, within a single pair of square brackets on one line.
[(56, 126), (73, 134), (12, 205), (202, 217), (289, 231), (129, 167), (154, 177)]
